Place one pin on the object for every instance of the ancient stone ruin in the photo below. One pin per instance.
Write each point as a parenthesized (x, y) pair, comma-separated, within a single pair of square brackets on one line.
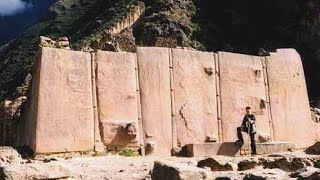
[(159, 99)]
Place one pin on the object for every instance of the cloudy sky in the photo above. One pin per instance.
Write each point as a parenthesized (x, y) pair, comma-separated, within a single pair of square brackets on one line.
[(12, 7)]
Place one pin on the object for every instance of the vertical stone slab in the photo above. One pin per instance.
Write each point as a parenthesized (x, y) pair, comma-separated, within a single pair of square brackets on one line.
[(64, 118), (27, 128), (288, 99), (195, 96), (117, 98), (154, 76), (242, 84)]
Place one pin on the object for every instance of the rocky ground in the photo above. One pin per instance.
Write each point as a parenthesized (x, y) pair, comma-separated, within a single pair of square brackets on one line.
[(296, 165)]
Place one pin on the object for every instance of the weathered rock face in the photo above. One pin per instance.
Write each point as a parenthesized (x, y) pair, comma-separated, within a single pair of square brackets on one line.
[(154, 77), (61, 115), (176, 171), (194, 96), (242, 82), (289, 102), (117, 98)]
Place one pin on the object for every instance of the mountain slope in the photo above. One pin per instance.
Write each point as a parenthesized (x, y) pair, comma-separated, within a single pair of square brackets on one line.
[(242, 26)]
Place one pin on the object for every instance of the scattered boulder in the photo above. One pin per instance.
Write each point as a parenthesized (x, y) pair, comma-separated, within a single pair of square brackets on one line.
[(211, 139), (47, 42), (176, 171), (61, 42), (214, 165), (9, 156), (309, 173), (87, 48), (37, 171), (253, 177), (247, 164), (314, 149), (287, 164), (176, 151), (263, 138), (10, 108)]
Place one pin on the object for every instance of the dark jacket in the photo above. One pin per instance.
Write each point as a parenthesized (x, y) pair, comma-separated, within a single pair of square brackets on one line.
[(245, 123)]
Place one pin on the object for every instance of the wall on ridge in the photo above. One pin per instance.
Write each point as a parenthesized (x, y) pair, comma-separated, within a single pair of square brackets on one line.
[(161, 98)]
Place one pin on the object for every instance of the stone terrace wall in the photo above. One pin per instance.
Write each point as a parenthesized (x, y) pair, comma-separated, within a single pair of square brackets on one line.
[(134, 14), (161, 98)]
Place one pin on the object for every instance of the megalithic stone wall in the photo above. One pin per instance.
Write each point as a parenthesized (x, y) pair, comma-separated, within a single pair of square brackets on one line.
[(161, 98), (288, 97), (61, 115), (242, 84), (195, 97), (154, 76), (117, 98)]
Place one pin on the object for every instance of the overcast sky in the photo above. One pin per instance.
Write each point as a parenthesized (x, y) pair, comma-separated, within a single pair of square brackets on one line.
[(11, 7)]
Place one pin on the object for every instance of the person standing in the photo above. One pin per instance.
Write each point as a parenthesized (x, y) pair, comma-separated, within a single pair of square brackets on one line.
[(249, 126)]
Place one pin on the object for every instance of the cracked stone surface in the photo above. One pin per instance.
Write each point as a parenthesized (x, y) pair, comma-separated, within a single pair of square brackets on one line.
[(195, 95), (117, 97), (242, 84)]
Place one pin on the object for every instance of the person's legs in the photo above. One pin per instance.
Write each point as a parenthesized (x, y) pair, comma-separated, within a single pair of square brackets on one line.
[(253, 144), (239, 133)]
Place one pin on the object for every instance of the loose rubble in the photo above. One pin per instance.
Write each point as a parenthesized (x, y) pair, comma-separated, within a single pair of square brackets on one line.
[(275, 166), (9, 156)]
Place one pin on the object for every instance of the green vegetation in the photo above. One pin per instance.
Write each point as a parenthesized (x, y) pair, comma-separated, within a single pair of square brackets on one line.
[(82, 21), (128, 152)]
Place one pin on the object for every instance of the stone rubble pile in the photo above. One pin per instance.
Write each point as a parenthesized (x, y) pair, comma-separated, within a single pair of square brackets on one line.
[(61, 42), (274, 166), (284, 166)]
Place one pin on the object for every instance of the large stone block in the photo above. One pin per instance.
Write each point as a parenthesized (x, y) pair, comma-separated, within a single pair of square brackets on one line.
[(288, 99), (195, 96), (154, 77), (117, 98), (61, 113), (242, 84)]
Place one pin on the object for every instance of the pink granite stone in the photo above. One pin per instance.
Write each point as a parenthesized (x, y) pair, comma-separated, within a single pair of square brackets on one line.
[(290, 109), (195, 96), (154, 76), (117, 97), (62, 114), (242, 84)]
